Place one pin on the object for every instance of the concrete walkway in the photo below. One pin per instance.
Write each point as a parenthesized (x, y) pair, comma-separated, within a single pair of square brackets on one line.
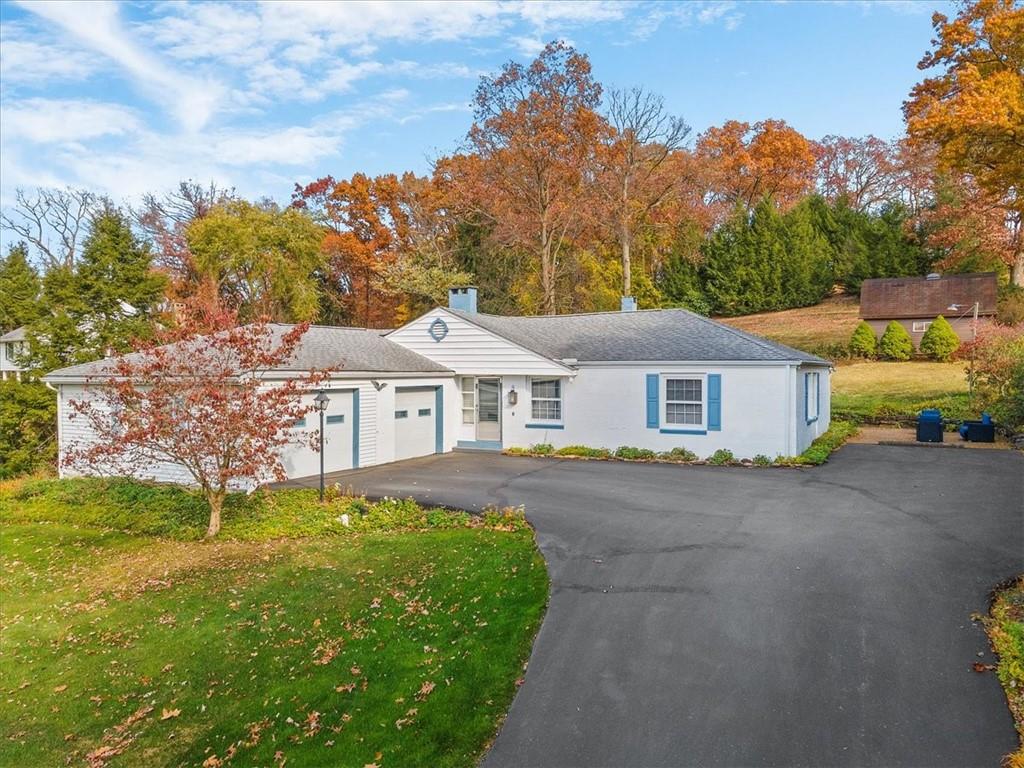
[(754, 617)]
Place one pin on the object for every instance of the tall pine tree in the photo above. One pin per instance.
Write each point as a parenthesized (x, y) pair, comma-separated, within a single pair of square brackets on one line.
[(19, 287)]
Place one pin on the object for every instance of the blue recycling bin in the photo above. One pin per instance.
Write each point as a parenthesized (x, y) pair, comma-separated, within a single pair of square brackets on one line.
[(929, 426), (983, 431)]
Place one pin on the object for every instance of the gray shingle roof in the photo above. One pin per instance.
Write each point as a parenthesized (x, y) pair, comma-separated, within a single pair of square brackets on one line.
[(322, 347), (648, 335), (18, 334)]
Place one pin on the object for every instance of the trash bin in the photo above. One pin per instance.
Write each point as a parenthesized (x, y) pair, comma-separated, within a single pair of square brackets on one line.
[(929, 426)]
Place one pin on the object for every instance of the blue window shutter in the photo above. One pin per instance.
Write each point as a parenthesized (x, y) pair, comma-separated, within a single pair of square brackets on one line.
[(714, 402), (652, 401)]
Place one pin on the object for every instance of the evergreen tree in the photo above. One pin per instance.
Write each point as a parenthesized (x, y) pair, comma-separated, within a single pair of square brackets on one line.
[(940, 340), (19, 287), (863, 342), (895, 343), (117, 284), (101, 305)]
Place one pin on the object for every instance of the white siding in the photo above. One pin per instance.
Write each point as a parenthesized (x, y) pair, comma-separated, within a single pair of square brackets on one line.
[(807, 432), (606, 407), (376, 428), (469, 349)]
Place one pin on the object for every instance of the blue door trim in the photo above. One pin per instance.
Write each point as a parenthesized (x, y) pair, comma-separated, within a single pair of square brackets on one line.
[(438, 419), (355, 429)]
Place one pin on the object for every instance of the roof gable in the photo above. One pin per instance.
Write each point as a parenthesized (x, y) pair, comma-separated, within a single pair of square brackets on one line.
[(921, 297)]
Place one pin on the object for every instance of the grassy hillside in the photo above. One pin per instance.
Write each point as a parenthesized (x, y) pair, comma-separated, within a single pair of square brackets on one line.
[(899, 391), (809, 328)]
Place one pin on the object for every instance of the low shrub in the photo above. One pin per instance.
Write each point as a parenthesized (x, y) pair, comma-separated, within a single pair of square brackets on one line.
[(819, 451), (762, 461), (632, 453), (583, 450), (940, 341), (179, 513), (542, 449), (678, 454), (895, 343), (720, 457), (863, 342), (505, 519), (517, 450)]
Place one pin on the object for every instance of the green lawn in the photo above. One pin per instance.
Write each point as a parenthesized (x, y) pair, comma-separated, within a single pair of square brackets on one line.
[(1005, 625), (878, 390), (328, 647)]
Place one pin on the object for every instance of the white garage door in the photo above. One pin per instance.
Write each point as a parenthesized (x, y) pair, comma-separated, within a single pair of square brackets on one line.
[(300, 460), (415, 423)]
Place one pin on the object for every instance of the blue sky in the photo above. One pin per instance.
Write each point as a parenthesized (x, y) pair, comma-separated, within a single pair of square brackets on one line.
[(125, 98)]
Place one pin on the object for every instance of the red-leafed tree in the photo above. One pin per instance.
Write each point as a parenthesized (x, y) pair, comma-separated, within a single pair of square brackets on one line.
[(200, 401), (863, 172)]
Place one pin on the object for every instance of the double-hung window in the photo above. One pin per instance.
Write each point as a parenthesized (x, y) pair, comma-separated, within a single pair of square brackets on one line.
[(468, 400), (684, 402), (812, 396), (546, 399)]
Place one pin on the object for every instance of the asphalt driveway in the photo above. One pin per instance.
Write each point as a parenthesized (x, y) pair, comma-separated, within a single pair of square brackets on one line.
[(741, 617)]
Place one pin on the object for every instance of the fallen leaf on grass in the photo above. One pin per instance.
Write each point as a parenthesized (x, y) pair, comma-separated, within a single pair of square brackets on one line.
[(425, 690), (167, 714), (60, 689)]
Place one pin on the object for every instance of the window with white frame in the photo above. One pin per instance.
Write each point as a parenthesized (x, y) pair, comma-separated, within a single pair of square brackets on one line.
[(546, 399), (812, 396), (684, 401), (468, 400), (920, 326)]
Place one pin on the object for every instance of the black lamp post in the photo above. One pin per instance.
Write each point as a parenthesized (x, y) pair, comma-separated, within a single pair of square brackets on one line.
[(320, 401)]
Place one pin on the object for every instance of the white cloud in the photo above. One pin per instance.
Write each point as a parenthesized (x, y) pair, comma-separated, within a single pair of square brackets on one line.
[(45, 121), (98, 27), (26, 62)]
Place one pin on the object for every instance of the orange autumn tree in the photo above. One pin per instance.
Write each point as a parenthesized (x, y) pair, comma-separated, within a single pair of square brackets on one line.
[(973, 109), (365, 223), (534, 136), (751, 162)]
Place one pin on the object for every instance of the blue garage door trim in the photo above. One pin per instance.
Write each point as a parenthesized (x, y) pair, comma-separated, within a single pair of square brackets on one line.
[(438, 411)]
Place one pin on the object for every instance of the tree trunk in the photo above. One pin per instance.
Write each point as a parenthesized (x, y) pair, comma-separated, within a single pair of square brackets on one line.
[(216, 501), (1017, 277), (627, 276), (547, 273)]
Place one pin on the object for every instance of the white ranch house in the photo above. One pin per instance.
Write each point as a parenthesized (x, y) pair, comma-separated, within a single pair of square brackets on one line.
[(458, 379)]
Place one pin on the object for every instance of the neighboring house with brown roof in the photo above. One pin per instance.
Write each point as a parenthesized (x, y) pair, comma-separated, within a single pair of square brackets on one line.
[(914, 302)]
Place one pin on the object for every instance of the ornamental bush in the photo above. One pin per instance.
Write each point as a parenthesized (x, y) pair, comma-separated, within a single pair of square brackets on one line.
[(721, 457), (895, 343), (940, 340), (863, 342)]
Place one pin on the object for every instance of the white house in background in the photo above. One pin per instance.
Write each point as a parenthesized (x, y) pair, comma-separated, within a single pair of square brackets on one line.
[(456, 378), (12, 345)]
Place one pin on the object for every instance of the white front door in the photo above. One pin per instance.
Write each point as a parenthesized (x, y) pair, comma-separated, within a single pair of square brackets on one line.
[(415, 422)]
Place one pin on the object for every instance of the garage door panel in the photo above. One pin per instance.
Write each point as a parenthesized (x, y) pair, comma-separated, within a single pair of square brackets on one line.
[(415, 423)]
